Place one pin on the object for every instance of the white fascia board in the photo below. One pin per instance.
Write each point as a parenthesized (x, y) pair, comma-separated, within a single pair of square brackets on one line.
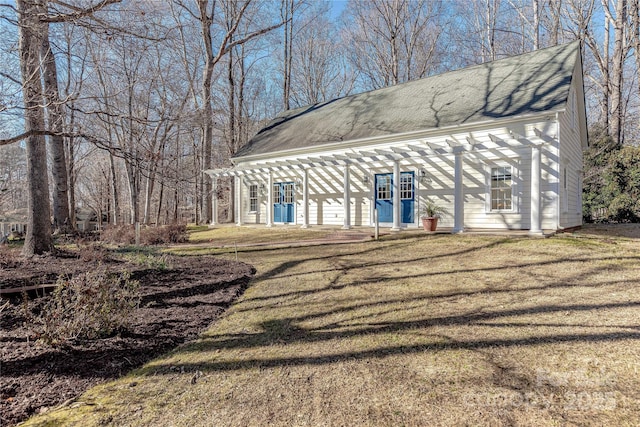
[(398, 137)]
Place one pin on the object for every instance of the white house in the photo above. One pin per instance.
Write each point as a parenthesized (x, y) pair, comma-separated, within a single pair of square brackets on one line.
[(499, 145)]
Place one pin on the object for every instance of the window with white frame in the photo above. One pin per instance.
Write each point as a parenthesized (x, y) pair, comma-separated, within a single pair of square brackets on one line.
[(383, 187), (406, 186), (253, 198), (288, 193), (501, 192), (276, 193)]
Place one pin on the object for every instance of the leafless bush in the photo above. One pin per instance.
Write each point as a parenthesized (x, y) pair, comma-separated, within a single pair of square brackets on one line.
[(176, 233), (93, 253), (125, 234), (88, 306), (119, 235)]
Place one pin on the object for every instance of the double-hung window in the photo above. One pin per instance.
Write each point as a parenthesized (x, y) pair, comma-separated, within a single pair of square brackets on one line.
[(253, 198), (501, 192)]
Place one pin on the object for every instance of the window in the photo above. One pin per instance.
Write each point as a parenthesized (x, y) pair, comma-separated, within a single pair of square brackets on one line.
[(501, 188), (276, 193), (406, 186), (288, 193), (383, 187), (253, 198)]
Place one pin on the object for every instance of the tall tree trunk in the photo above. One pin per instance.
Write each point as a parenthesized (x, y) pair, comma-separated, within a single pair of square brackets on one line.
[(114, 191), (288, 42), (147, 198), (556, 7), (133, 179), (62, 222), (617, 79), (160, 197), (206, 20), (536, 24), (635, 13), (71, 168), (607, 78), (38, 239)]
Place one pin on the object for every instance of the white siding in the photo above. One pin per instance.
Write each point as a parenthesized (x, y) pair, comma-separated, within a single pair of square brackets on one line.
[(570, 154), (492, 145)]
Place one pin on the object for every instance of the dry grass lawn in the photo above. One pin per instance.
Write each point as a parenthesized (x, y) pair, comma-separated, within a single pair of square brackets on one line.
[(416, 331), (231, 235)]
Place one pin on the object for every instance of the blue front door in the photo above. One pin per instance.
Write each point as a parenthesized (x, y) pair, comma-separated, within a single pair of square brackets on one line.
[(283, 200), (407, 197), (384, 197)]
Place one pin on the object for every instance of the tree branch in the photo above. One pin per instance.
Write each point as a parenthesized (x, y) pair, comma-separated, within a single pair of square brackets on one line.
[(79, 12), (100, 143)]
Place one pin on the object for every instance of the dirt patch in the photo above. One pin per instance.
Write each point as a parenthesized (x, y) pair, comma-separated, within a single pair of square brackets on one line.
[(180, 298)]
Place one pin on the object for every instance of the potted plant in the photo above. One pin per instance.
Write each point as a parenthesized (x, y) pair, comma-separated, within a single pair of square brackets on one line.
[(430, 213)]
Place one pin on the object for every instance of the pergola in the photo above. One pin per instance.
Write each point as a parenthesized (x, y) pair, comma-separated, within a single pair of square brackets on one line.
[(395, 154)]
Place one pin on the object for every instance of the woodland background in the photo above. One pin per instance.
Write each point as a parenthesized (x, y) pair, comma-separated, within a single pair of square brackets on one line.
[(125, 103)]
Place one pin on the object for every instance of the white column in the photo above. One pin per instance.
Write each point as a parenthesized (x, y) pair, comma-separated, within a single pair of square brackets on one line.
[(396, 196), (347, 198), (239, 200), (214, 202), (458, 203), (535, 190), (305, 198), (269, 222)]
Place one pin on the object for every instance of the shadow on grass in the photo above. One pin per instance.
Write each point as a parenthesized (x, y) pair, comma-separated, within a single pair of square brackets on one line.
[(288, 332)]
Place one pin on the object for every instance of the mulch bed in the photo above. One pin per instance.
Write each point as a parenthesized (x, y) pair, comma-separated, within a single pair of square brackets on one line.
[(177, 304)]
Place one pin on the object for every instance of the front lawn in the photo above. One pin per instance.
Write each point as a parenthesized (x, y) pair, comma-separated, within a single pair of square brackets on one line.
[(425, 330)]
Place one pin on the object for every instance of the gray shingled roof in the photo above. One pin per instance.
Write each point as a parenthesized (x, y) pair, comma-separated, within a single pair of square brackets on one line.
[(534, 82)]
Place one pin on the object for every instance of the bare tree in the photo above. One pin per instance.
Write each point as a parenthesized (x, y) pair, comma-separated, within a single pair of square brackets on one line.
[(38, 239), (320, 71), (393, 41), (620, 50), (230, 37), (55, 118), (635, 31)]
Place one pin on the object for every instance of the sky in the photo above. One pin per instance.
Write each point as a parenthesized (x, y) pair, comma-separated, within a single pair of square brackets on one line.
[(337, 6)]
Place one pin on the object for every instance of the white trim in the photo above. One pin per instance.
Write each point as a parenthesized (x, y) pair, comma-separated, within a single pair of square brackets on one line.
[(257, 199), (535, 226), (515, 164), (458, 191)]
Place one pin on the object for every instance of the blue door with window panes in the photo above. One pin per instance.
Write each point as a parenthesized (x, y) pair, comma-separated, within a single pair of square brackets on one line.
[(283, 200), (407, 197), (384, 197)]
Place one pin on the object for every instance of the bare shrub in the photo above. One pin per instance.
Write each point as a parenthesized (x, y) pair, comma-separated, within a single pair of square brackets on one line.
[(94, 253), (119, 235), (91, 305), (176, 233), (9, 256), (126, 235)]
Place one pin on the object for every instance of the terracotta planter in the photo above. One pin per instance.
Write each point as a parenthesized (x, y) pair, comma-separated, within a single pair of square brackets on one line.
[(430, 223)]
